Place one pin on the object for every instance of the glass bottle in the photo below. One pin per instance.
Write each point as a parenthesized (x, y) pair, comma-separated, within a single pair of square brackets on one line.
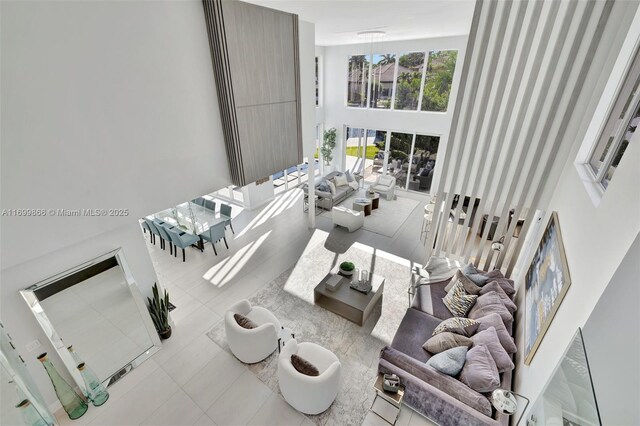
[(30, 415), (97, 392), (76, 358), (72, 403)]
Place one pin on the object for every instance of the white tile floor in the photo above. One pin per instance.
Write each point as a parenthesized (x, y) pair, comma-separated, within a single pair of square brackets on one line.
[(192, 381)]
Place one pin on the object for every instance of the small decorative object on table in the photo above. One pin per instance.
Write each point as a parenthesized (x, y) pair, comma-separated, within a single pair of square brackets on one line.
[(387, 404), (159, 311), (371, 192), (391, 383), (30, 415), (333, 283), (347, 268), (360, 282)]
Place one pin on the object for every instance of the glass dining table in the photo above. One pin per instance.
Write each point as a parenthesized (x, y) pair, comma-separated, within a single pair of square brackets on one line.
[(190, 218)]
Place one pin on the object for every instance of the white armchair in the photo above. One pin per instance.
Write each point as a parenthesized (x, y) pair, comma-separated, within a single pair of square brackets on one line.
[(350, 219), (385, 185), (309, 394), (251, 345)]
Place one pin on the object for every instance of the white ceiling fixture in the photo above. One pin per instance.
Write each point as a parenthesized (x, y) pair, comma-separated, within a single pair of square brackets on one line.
[(339, 22)]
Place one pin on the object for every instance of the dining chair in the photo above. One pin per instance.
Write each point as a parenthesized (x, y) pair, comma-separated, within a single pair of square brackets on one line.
[(164, 231), (183, 241), (199, 201), (164, 237), (145, 228), (215, 234), (211, 205), (225, 213), (154, 231)]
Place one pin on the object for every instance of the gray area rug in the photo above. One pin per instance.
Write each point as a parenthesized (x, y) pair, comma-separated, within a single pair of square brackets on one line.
[(290, 298), (388, 218)]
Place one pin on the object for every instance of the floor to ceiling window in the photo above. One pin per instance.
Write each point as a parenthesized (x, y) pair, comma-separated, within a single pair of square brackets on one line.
[(409, 157)]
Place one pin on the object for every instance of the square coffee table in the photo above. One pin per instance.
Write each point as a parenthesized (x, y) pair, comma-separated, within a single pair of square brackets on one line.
[(362, 205), (347, 302)]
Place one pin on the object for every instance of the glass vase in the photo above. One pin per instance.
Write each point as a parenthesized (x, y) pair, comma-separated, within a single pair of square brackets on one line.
[(97, 392), (72, 403), (76, 358), (30, 415)]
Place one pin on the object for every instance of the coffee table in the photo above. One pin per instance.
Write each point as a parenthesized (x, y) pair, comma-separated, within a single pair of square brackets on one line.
[(375, 200), (362, 204), (347, 302)]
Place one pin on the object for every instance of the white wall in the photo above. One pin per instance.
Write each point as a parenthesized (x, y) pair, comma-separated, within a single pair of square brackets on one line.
[(104, 105), (596, 239), (613, 345), (337, 114)]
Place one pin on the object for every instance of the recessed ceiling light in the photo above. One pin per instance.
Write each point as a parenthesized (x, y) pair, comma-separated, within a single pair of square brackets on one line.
[(375, 33)]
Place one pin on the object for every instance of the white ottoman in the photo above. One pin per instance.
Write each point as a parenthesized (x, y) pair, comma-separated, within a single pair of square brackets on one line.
[(350, 219)]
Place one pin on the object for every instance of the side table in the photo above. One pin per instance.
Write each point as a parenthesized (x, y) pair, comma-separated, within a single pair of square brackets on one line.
[(305, 204), (387, 405), (284, 336)]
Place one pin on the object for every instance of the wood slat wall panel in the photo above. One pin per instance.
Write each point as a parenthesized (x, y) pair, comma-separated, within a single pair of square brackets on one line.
[(255, 59), (525, 66)]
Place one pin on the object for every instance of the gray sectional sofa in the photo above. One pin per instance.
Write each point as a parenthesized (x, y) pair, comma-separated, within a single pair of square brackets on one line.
[(327, 200), (444, 399)]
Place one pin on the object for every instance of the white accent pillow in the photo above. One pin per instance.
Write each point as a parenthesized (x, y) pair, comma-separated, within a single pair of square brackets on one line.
[(385, 180), (332, 187), (354, 185), (340, 180)]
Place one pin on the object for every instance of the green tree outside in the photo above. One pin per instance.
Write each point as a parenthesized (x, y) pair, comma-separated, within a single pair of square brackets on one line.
[(438, 79)]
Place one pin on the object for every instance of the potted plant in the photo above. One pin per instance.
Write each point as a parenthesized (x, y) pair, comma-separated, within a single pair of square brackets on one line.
[(328, 144), (159, 311), (347, 268)]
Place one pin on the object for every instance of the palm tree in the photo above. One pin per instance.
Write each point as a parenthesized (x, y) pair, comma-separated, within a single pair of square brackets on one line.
[(387, 59)]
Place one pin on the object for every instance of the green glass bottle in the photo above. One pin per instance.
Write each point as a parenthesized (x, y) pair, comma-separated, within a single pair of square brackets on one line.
[(98, 394), (74, 354), (72, 403), (30, 415)]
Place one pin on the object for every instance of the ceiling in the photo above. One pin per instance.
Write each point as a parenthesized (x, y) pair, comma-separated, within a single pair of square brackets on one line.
[(337, 22)]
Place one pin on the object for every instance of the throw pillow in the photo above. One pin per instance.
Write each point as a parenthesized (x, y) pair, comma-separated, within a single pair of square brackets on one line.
[(480, 372), (494, 320), (354, 185), (459, 301), (303, 366), (475, 274), (469, 286), (340, 180), (447, 340), (490, 303), (244, 322), (489, 338), (449, 362), (349, 177), (332, 187), (506, 300), (323, 186), (463, 326), (385, 180)]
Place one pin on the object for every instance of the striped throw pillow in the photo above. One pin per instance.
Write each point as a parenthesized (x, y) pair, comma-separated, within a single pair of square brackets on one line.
[(458, 301)]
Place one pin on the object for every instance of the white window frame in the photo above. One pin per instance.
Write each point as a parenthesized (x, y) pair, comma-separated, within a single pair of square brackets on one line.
[(626, 66)]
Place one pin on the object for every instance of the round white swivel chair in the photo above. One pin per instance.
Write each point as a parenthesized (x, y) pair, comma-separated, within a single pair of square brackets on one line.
[(251, 345), (309, 394)]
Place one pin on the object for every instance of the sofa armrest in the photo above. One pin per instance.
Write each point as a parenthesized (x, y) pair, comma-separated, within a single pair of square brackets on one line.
[(450, 386), (323, 194)]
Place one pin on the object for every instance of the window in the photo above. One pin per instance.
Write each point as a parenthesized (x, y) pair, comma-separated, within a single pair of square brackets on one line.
[(404, 83), (618, 129), (438, 79), (424, 156), (409, 80), (382, 78), (358, 79)]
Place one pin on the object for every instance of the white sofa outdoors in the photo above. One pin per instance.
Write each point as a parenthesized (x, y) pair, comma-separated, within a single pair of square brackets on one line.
[(255, 344), (309, 394), (385, 185), (350, 219)]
